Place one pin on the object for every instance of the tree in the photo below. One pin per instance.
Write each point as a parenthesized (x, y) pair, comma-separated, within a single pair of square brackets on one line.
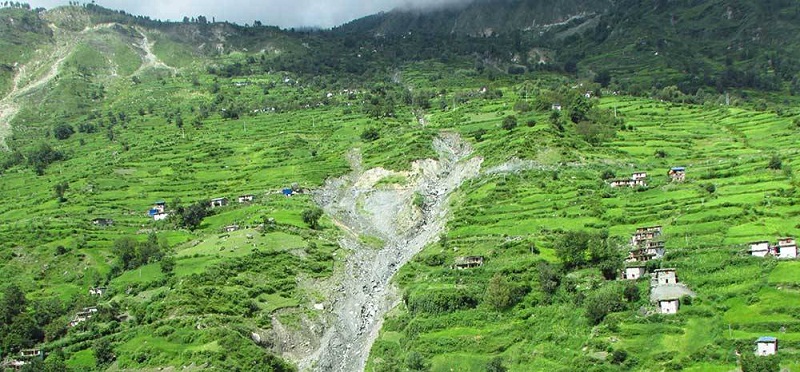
[(125, 250), (416, 362), (42, 156), (192, 216), (602, 302), (103, 353), (168, 265), (631, 292), (571, 248), (63, 131), (549, 278), (59, 189), (13, 303), (603, 78), (605, 255), (509, 122), (55, 361), (499, 294), (311, 217)]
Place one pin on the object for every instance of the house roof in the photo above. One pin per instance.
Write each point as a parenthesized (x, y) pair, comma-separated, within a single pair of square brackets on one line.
[(679, 169), (767, 339), (159, 202), (664, 270), (215, 199)]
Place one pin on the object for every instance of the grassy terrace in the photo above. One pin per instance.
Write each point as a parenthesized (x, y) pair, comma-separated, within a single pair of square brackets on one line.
[(739, 297)]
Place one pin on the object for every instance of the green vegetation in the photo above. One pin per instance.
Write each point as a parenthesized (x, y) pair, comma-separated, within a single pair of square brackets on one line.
[(272, 109)]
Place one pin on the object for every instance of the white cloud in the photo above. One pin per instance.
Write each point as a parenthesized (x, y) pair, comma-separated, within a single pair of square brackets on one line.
[(283, 13)]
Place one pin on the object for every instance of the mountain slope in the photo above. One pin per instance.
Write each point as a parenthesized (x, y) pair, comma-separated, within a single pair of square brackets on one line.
[(333, 158)]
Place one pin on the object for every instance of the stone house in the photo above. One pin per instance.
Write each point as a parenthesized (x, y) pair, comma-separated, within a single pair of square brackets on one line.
[(766, 345)]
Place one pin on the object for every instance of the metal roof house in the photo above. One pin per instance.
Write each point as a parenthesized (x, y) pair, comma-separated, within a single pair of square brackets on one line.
[(766, 345)]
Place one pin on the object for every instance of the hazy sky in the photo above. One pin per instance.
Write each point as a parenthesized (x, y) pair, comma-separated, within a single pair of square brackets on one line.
[(283, 13)]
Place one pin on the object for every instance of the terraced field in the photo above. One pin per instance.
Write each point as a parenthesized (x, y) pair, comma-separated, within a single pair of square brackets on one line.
[(499, 217)]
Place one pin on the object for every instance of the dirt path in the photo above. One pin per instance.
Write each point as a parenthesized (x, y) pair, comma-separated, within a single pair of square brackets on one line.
[(364, 293)]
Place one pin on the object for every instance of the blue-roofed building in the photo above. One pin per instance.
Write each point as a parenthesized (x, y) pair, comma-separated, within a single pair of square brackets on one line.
[(288, 192), (766, 345), (677, 173)]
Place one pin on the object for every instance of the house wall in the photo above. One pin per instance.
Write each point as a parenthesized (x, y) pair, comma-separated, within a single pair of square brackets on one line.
[(788, 252), (766, 348), (633, 273), (666, 277), (668, 307), (160, 216)]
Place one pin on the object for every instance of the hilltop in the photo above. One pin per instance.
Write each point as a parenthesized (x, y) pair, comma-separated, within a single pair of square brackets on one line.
[(398, 191)]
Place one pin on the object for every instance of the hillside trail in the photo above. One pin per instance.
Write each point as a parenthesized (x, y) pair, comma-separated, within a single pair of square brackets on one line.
[(364, 208)]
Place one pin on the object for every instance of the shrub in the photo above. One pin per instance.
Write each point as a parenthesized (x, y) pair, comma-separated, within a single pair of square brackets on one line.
[(660, 154), (522, 106), (63, 131), (509, 123), (775, 162), (370, 134)]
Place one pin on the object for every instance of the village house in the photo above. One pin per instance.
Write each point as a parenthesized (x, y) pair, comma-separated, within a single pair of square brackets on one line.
[(669, 306), (13, 364), (246, 198), (219, 202), (287, 192), (759, 249), (664, 277), (83, 316), (786, 248), (641, 254), (633, 272), (31, 353), (637, 179), (158, 207), (556, 107), (468, 262), (158, 211), (230, 228), (644, 234), (103, 222), (677, 173), (97, 291), (766, 345)]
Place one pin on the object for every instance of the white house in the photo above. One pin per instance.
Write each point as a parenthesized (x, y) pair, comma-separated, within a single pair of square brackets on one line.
[(231, 228), (787, 248), (160, 216), (759, 249), (219, 202), (664, 276), (669, 306), (97, 291), (245, 198), (633, 272), (766, 346), (639, 175)]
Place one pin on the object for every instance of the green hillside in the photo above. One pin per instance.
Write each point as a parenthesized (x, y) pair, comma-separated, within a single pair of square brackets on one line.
[(401, 155)]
